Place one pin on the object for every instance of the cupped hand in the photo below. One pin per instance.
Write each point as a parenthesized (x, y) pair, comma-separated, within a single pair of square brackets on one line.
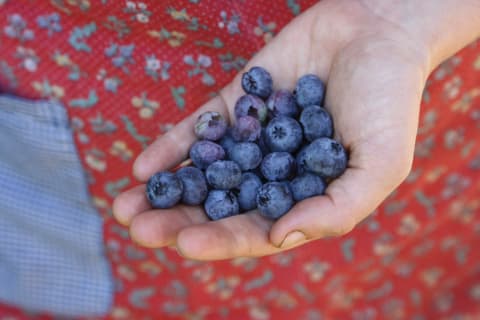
[(375, 73)]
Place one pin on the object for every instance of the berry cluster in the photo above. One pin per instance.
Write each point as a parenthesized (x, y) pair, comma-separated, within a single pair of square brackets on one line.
[(280, 151)]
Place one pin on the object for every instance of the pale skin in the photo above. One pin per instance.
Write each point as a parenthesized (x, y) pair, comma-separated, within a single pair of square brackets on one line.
[(375, 56)]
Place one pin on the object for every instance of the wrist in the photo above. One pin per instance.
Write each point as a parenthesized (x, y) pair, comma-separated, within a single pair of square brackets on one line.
[(442, 27)]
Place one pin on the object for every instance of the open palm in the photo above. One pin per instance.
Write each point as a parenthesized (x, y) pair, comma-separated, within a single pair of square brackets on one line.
[(375, 76)]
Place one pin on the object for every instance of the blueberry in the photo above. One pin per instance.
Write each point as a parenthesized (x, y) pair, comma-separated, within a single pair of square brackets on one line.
[(210, 126), (224, 174), (283, 134), (246, 128), (221, 204), (247, 195), (324, 156), (262, 142), (309, 91), (250, 105), (205, 152), (257, 81), (274, 199), (316, 123), (301, 161), (306, 186), (278, 166), (246, 154), (227, 141), (195, 187), (164, 190), (282, 103)]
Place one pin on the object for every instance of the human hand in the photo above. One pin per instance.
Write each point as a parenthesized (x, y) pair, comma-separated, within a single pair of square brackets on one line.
[(375, 70)]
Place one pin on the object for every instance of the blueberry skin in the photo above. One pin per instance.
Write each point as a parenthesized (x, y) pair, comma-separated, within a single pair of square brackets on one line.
[(210, 126), (227, 141), (283, 134), (246, 154), (278, 166), (164, 190), (306, 186), (221, 204), (247, 128), (309, 91), (257, 81), (301, 161), (274, 199), (195, 187), (323, 156), (205, 152), (282, 103), (250, 105), (262, 142), (316, 123), (224, 175), (247, 195)]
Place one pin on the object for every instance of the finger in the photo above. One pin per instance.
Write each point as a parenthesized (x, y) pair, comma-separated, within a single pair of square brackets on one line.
[(130, 203), (244, 235), (158, 228)]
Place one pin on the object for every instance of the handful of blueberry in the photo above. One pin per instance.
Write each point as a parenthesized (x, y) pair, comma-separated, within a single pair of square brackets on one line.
[(280, 151)]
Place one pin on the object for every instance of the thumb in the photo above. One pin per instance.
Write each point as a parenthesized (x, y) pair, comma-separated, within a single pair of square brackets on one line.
[(347, 201), (374, 97)]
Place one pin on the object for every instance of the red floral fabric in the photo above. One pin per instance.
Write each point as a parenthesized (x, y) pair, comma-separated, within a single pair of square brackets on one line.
[(127, 71)]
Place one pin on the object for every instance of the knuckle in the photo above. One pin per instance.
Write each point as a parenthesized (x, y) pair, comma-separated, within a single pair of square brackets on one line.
[(396, 167), (402, 167), (340, 227)]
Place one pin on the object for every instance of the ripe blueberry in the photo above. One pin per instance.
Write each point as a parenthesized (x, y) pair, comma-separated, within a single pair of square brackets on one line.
[(224, 174), (221, 204), (257, 81), (164, 190), (283, 134), (309, 91), (250, 105), (282, 103), (195, 187), (324, 156), (246, 128), (274, 199), (246, 154), (306, 186), (205, 152), (316, 123), (278, 166), (247, 195), (210, 126)]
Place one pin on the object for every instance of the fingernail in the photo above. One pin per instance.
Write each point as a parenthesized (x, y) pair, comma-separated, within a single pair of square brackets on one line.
[(179, 252), (293, 238)]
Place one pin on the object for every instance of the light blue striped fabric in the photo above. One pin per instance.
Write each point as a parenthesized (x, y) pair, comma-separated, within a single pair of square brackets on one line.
[(52, 256)]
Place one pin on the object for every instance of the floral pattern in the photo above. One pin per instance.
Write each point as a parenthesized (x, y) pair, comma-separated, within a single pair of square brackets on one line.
[(128, 70)]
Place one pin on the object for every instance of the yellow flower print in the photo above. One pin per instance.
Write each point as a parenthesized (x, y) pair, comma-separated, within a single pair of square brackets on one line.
[(147, 107), (265, 30), (409, 225), (84, 5), (223, 287), (62, 59), (120, 149), (47, 90), (431, 276), (476, 64), (179, 14), (174, 38)]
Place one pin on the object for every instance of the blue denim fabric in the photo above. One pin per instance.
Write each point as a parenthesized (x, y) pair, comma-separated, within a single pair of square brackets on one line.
[(52, 255)]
